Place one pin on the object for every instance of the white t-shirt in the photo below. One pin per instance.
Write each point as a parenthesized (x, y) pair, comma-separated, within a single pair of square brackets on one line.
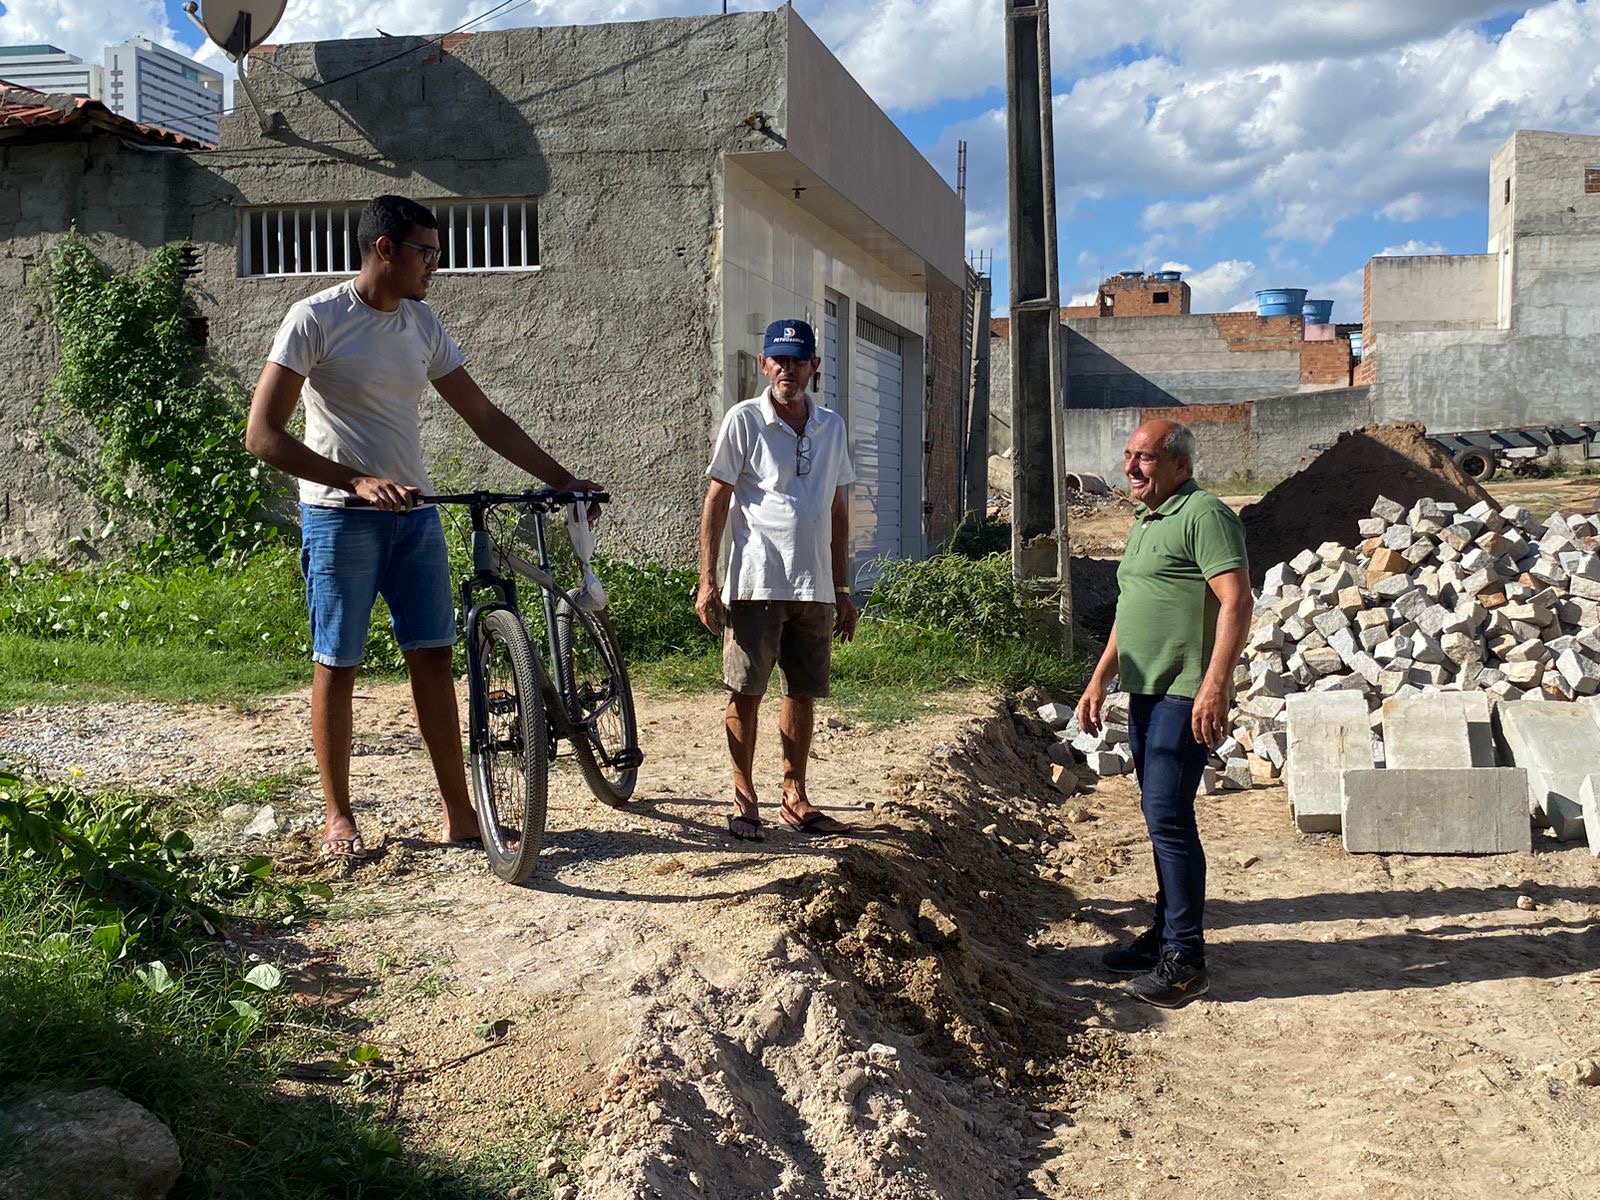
[(365, 372), (782, 520)]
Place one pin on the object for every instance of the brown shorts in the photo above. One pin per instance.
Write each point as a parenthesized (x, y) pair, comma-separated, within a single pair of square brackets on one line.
[(796, 635)]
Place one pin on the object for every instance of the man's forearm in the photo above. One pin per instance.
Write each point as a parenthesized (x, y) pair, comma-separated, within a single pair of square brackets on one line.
[(841, 550), (281, 449), (512, 443), (1107, 666), (713, 518), (1233, 626)]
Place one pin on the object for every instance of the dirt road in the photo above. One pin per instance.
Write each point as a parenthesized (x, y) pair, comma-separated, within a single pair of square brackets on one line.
[(919, 1012)]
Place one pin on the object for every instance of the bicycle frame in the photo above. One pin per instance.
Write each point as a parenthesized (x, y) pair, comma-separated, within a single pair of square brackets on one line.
[(493, 572)]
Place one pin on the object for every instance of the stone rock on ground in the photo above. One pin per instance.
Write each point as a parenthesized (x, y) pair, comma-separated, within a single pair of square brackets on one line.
[(85, 1145), (1328, 500)]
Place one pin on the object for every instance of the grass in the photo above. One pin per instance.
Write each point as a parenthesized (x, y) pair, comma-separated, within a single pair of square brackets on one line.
[(37, 670), (1242, 484), (99, 986)]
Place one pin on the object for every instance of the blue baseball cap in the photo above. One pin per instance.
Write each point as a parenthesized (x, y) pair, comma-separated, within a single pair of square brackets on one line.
[(789, 339)]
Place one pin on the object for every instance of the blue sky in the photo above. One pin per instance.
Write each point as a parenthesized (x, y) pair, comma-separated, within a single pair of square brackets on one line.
[(1253, 143)]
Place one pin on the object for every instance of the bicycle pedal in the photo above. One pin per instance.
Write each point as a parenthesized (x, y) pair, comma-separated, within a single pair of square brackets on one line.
[(628, 760)]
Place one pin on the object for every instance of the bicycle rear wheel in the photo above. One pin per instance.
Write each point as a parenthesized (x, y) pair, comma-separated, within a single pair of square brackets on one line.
[(510, 746), (599, 707)]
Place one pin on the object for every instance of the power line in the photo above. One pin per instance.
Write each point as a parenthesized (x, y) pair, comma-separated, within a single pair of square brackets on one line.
[(500, 9)]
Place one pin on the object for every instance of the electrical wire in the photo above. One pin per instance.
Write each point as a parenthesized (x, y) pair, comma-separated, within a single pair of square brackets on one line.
[(500, 9)]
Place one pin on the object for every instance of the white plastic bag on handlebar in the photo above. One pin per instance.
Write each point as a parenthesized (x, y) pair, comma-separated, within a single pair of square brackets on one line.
[(592, 596)]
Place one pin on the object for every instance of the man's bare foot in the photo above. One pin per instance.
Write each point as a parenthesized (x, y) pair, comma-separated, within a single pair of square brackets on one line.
[(802, 816), (340, 838)]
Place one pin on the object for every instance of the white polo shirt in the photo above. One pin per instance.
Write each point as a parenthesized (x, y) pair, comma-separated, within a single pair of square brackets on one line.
[(781, 520)]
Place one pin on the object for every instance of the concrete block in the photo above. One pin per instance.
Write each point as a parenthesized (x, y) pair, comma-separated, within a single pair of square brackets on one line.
[(1371, 526), (1385, 564), (1323, 660), (1055, 715), (1461, 648), (1303, 562), (1398, 537), (1529, 650), (1274, 747), (1236, 773), (1061, 754), (1589, 801), (1327, 735), (1279, 577), (1580, 672), (1558, 745), (1420, 551), (1105, 762), (1459, 810), (1524, 674), (1392, 587), (1442, 729), (1389, 510)]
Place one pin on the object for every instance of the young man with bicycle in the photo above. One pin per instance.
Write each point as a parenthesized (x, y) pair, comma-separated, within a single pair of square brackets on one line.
[(361, 354), (781, 465)]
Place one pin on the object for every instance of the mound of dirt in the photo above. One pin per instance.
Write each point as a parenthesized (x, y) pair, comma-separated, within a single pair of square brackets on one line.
[(1323, 502)]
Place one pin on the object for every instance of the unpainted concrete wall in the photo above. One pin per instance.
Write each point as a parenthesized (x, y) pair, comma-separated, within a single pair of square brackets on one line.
[(126, 201), (1267, 438), (1537, 363), (1434, 292), (606, 355), (1132, 362)]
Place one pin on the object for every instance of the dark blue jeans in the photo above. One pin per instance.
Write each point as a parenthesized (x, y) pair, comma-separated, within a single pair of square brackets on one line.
[(1169, 763)]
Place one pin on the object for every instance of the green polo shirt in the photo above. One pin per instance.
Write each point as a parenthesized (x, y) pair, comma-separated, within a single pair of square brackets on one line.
[(1166, 615)]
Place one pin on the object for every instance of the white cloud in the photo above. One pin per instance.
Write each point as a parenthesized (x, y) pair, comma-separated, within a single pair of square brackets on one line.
[(85, 27), (1219, 287), (1412, 247)]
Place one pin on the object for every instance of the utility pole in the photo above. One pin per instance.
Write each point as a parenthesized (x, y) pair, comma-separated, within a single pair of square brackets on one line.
[(1040, 557)]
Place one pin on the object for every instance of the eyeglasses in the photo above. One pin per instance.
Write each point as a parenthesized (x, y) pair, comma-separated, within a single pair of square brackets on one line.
[(802, 455), (430, 254)]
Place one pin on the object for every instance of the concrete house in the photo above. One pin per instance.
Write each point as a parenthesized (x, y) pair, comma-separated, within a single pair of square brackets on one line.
[(1510, 337), (623, 207), (1461, 342)]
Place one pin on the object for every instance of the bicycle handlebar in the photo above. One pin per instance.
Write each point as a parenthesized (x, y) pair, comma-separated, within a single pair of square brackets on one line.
[(548, 499)]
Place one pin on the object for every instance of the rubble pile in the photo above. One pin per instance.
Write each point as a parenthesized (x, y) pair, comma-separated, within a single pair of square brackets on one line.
[(1434, 599)]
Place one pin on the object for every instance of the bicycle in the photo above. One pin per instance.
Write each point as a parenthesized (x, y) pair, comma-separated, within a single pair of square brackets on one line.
[(518, 710)]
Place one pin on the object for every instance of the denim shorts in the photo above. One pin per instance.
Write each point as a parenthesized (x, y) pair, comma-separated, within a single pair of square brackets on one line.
[(351, 556)]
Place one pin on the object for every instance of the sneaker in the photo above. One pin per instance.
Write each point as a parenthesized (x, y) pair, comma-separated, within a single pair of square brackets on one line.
[(1139, 956), (1174, 981)]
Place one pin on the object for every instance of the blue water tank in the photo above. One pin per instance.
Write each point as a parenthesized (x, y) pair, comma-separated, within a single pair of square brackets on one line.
[(1280, 302), (1318, 312), (1167, 276), (1130, 274)]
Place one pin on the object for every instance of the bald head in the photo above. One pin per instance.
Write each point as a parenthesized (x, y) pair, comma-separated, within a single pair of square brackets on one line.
[(1158, 461)]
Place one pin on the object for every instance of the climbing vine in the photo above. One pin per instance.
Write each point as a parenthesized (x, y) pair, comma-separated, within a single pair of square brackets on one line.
[(169, 426)]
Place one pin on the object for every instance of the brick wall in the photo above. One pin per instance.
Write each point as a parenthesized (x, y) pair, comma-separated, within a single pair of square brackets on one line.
[(1142, 298), (946, 394), (1325, 364), (1246, 331)]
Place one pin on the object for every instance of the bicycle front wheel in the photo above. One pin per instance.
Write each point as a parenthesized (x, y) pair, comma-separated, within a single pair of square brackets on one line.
[(599, 704), (510, 746)]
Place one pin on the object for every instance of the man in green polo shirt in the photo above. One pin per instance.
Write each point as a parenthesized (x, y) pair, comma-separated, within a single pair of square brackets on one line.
[(1182, 616)]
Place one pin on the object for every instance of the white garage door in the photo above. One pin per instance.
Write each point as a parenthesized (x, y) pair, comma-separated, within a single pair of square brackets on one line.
[(875, 420)]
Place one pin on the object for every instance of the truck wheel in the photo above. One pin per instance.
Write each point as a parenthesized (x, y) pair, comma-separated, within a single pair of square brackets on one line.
[(1477, 465)]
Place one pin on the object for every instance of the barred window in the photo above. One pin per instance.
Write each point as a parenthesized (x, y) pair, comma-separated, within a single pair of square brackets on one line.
[(475, 235)]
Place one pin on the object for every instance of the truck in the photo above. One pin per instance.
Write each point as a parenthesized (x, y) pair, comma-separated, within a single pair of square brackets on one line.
[(1482, 453)]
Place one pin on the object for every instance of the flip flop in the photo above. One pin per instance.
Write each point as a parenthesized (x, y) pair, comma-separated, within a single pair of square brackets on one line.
[(745, 828), (350, 848), (815, 823)]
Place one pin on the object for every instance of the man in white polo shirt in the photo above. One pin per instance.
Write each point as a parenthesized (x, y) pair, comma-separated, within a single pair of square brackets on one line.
[(781, 463)]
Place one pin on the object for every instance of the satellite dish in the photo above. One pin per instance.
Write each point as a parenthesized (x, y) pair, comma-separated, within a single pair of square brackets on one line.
[(238, 26)]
